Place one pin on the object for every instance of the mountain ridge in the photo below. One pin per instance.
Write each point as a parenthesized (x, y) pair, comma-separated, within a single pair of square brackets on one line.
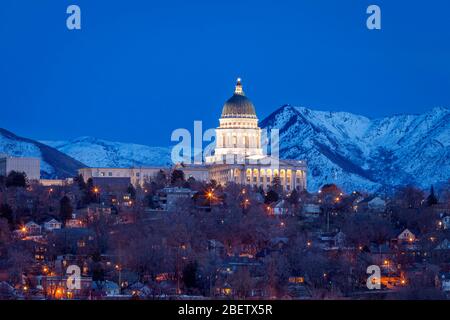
[(353, 151), (54, 164), (96, 152), (343, 144)]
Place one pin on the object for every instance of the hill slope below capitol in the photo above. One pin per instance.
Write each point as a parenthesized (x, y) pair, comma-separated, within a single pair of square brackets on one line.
[(54, 164)]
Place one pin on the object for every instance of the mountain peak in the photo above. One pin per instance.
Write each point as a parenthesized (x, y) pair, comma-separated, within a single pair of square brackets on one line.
[(357, 152), (53, 162)]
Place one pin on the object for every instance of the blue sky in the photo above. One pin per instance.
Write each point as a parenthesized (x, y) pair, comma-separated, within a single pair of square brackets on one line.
[(139, 69)]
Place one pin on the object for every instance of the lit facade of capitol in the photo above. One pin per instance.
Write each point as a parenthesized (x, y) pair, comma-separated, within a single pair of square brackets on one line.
[(238, 155)]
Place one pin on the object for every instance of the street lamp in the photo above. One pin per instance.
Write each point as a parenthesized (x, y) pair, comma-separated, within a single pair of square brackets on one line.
[(97, 191), (119, 269), (210, 196)]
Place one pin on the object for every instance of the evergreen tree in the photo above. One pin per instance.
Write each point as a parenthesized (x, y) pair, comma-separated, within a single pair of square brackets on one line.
[(80, 181), (160, 180), (276, 185), (294, 197), (190, 276), (131, 191), (16, 179), (432, 199), (148, 200), (271, 197), (177, 177), (89, 194), (65, 209), (7, 213)]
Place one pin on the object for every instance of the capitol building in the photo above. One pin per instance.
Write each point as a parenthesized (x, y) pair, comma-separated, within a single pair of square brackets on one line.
[(239, 156)]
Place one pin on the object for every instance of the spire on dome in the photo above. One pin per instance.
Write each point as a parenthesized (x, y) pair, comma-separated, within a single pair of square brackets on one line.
[(238, 90)]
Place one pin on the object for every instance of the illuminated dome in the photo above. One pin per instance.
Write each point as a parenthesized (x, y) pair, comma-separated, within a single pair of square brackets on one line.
[(238, 106)]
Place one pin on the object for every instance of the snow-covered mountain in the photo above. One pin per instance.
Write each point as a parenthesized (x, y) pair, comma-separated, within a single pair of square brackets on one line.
[(101, 153), (54, 164), (352, 151), (356, 152)]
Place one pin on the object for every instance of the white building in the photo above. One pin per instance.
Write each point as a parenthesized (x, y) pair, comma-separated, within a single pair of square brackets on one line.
[(238, 156), (169, 197), (406, 236), (137, 175), (30, 166), (281, 208), (52, 224)]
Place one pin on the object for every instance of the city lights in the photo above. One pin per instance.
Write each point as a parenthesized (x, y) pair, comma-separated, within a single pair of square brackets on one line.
[(143, 168)]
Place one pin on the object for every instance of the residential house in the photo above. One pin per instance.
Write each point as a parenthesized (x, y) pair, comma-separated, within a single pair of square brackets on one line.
[(441, 253), (443, 281), (108, 288), (140, 290), (406, 236), (445, 222), (78, 220), (168, 198), (311, 210), (376, 205), (216, 247), (55, 287), (52, 225), (33, 229), (281, 208), (332, 240)]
